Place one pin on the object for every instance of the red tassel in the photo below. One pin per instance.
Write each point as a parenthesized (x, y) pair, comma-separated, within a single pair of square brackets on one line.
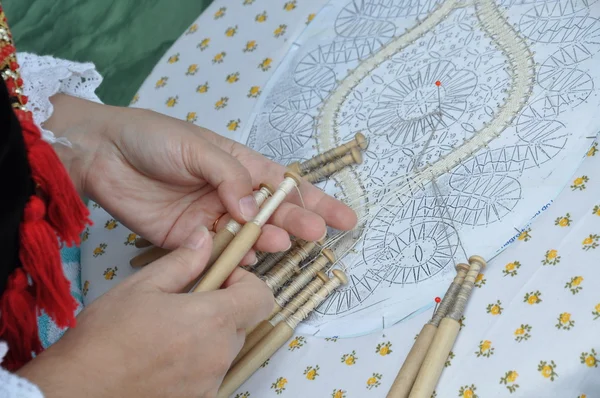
[(18, 323), (66, 211), (40, 256)]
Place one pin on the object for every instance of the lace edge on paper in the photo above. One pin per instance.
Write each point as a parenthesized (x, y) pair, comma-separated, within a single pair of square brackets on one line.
[(46, 76), (13, 386)]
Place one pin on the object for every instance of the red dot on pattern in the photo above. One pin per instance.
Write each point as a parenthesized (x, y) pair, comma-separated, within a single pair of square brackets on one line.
[(438, 83), (437, 299)]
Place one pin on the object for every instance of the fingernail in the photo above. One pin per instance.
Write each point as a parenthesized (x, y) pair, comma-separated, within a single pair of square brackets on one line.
[(324, 235), (197, 239), (248, 207)]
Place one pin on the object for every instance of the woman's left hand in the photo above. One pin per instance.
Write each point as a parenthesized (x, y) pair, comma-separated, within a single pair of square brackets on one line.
[(161, 177)]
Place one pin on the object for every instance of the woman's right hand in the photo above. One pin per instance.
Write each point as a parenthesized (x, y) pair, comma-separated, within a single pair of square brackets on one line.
[(143, 339)]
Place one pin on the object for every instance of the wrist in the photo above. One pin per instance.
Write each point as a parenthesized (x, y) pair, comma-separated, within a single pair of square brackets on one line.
[(85, 125)]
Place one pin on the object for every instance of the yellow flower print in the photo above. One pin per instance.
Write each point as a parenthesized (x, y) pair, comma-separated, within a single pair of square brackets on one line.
[(135, 99), (220, 12), (596, 210), (311, 373), (579, 183), (509, 379), (110, 273), (596, 311), (232, 77), (172, 101), (511, 269), (468, 392), (590, 359), (260, 18), (192, 29), (338, 394), (280, 31), (191, 117), (218, 59), (333, 339), (296, 343), (233, 125), (290, 5), (480, 280), (449, 359), (243, 395), (248, 2), (384, 349), (265, 363), (593, 150), (100, 250), (111, 224), (250, 46), (485, 349), (495, 309), (231, 31), (173, 58), (522, 333), (85, 235), (221, 103), (310, 18), (548, 370), (374, 381), (86, 288), (95, 206), (203, 45), (565, 322), (574, 284), (551, 257), (591, 242), (254, 92), (130, 240), (202, 88), (192, 69), (349, 359), (265, 65), (461, 321), (279, 385), (161, 82), (533, 298), (563, 221), (525, 236)]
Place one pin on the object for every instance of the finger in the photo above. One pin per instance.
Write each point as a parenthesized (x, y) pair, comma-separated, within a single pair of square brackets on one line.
[(299, 222), (272, 238), (245, 298), (226, 173), (179, 268)]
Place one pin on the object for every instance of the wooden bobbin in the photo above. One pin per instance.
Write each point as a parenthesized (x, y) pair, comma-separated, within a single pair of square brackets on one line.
[(265, 327), (326, 257), (354, 157), (445, 337), (220, 240), (246, 238), (273, 341), (409, 370), (142, 243), (280, 274), (359, 142)]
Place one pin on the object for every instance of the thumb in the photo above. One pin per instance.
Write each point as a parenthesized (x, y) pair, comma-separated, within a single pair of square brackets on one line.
[(224, 172), (176, 270)]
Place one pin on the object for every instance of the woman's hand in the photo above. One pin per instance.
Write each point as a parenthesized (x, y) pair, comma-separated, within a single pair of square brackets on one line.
[(141, 339), (162, 177)]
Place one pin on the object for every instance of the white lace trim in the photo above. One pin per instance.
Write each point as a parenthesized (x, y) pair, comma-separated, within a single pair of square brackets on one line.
[(45, 76), (13, 386)]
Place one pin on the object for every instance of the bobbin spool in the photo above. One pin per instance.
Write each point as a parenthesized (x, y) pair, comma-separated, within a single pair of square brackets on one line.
[(408, 372), (445, 336), (318, 175), (246, 238), (276, 338), (359, 142), (265, 326)]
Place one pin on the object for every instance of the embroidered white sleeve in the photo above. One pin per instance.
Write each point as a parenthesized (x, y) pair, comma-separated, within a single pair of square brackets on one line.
[(13, 386), (45, 76)]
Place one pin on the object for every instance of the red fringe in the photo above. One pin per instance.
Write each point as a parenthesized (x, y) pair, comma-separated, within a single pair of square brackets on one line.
[(18, 324)]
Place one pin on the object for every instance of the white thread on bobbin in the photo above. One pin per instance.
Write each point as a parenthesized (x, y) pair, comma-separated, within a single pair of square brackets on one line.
[(259, 196), (313, 302), (274, 201), (311, 289)]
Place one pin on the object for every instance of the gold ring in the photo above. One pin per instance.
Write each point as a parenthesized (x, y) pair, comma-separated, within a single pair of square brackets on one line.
[(214, 226)]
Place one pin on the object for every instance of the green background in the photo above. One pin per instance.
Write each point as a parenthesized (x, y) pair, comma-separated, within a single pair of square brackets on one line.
[(123, 38)]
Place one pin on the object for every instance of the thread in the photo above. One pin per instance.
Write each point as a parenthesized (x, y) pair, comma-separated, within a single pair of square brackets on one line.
[(286, 268), (259, 196), (310, 290), (467, 287), (450, 296), (275, 200), (313, 302)]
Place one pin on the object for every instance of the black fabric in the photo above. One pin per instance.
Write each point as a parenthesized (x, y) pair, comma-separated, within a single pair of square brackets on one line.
[(16, 185)]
